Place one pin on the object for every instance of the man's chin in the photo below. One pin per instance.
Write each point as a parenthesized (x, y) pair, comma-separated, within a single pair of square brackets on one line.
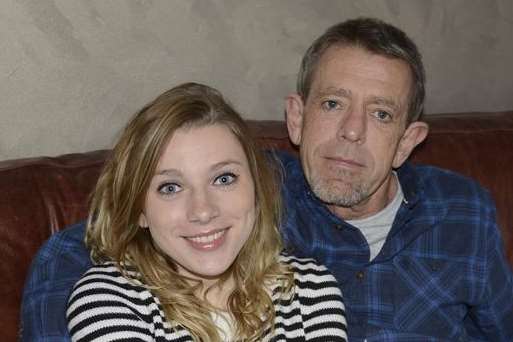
[(334, 195)]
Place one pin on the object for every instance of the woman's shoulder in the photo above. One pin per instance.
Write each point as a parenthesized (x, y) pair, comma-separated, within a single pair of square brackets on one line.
[(309, 273), (303, 265), (105, 284), (318, 299), (106, 297), (109, 273)]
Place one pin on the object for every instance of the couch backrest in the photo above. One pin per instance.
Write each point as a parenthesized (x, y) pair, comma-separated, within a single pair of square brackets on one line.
[(39, 196)]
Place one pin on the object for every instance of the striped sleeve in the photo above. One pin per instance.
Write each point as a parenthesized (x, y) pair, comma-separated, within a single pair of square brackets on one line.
[(320, 301), (105, 306)]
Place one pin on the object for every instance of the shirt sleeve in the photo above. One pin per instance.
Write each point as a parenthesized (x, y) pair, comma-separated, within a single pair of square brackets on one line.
[(494, 315), (322, 305), (103, 308), (55, 269)]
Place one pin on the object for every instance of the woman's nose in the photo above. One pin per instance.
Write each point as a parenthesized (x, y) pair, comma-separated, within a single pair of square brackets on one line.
[(202, 207)]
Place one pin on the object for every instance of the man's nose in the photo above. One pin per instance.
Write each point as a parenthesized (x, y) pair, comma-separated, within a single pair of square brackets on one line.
[(353, 126)]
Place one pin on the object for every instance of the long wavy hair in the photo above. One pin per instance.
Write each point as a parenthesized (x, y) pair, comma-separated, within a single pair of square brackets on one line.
[(113, 233)]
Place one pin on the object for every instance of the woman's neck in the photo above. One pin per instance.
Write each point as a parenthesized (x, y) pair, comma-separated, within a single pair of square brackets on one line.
[(217, 295)]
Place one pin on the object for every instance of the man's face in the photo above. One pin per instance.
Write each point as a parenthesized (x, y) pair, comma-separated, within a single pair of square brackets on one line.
[(352, 129)]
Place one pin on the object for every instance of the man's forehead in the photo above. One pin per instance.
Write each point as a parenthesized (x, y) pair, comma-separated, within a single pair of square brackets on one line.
[(336, 73)]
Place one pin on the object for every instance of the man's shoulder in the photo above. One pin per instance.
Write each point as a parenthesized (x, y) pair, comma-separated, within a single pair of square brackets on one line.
[(285, 159), (291, 171), (64, 247), (443, 197), (439, 183), (55, 269), (63, 256), (71, 237)]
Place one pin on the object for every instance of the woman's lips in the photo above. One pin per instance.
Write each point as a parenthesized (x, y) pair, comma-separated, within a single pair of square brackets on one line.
[(207, 241)]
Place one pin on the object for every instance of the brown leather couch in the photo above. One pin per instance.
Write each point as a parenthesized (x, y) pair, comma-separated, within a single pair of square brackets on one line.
[(40, 196)]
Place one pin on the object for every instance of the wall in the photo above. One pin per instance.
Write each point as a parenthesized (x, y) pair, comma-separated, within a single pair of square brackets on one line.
[(73, 72)]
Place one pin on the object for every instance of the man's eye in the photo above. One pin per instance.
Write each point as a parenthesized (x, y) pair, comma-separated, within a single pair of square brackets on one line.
[(382, 115), (330, 105), (169, 188), (225, 179)]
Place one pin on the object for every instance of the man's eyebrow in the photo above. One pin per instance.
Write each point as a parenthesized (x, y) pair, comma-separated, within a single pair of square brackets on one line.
[(340, 92), (386, 101)]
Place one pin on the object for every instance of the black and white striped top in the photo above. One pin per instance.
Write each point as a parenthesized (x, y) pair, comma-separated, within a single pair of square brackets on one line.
[(105, 306)]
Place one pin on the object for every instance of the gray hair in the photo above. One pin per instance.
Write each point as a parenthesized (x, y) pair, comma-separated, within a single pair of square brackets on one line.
[(377, 37)]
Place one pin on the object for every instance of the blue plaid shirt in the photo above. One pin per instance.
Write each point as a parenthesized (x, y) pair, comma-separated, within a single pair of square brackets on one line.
[(55, 269), (441, 274)]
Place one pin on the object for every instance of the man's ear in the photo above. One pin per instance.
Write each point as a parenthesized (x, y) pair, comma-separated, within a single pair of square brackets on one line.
[(294, 116), (143, 222), (414, 134)]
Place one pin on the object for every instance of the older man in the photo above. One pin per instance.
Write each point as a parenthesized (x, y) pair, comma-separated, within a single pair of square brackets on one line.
[(416, 249)]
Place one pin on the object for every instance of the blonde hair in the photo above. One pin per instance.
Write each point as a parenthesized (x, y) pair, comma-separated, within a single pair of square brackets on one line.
[(118, 200)]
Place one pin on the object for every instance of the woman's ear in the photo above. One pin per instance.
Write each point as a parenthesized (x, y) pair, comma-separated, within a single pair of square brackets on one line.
[(294, 117), (414, 134), (143, 222)]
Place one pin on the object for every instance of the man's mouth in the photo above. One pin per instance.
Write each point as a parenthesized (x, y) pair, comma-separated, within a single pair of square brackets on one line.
[(344, 162)]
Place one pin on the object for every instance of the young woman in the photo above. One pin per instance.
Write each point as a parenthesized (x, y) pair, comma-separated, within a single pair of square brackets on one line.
[(183, 233)]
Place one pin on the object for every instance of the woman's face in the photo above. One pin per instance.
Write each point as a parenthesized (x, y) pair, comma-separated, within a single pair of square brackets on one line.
[(200, 205)]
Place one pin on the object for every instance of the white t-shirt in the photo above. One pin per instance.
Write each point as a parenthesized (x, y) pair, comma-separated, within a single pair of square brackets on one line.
[(375, 228)]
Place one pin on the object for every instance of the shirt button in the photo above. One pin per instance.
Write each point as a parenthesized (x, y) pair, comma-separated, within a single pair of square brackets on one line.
[(435, 267), (339, 227), (360, 275)]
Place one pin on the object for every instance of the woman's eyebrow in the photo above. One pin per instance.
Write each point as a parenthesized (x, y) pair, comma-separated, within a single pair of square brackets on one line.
[(167, 172), (225, 163)]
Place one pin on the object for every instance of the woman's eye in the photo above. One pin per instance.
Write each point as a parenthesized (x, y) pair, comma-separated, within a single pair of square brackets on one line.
[(169, 188), (225, 179), (330, 105)]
